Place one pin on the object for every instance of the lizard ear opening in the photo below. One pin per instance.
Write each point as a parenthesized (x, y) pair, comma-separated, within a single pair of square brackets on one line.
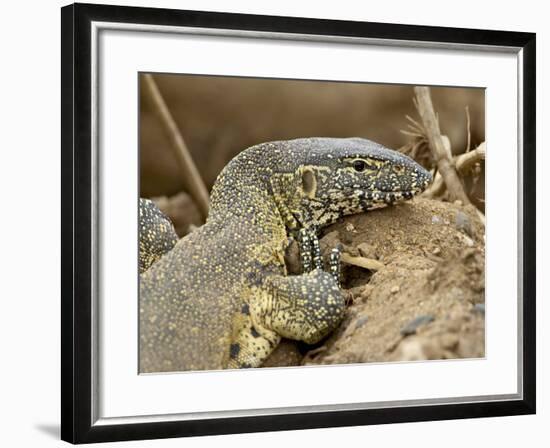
[(309, 182)]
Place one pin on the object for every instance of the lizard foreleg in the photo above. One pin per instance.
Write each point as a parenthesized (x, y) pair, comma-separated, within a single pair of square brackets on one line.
[(252, 347), (303, 307)]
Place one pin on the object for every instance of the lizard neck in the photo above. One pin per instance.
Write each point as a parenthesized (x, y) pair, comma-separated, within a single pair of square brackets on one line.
[(283, 187), (289, 199)]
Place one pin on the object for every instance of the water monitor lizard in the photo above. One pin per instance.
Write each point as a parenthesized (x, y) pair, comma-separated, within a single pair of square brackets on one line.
[(221, 298)]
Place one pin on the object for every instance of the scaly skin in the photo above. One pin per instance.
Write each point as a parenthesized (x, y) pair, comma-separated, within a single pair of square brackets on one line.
[(222, 298), (157, 235)]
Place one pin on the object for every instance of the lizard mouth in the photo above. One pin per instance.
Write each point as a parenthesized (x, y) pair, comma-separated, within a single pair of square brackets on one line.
[(375, 198), (391, 196)]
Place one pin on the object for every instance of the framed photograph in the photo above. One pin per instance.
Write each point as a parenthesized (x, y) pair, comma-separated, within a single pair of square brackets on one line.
[(275, 223)]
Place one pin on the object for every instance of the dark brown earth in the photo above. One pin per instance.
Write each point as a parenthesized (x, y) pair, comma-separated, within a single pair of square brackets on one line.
[(426, 300)]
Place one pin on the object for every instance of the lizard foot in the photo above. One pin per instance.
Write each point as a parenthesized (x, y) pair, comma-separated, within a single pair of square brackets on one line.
[(303, 307), (310, 254)]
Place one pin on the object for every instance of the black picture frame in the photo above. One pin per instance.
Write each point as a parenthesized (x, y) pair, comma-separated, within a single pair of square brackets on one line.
[(76, 281)]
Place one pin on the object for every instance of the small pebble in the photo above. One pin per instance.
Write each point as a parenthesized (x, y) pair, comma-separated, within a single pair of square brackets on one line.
[(366, 250), (350, 227), (346, 237), (361, 321), (395, 289), (416, 323), (449, 341), (479, 308), (365, 293), (467, 240), (462, 223), (436, 251)]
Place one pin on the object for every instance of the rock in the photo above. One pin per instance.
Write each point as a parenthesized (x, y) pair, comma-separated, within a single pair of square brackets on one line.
[(449, 341), (285, 354), (410, 350), (328, 242), (350, 227), (468, 242), (346, 237), (331, 238), (462, 223), (395, 289), (479, 308), (416, 323), (459, 336), (292, 258), (361, 321), (367, 250), (421, 348)]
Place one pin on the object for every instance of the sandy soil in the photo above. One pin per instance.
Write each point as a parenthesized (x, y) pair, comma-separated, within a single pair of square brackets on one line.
[(426, 300)]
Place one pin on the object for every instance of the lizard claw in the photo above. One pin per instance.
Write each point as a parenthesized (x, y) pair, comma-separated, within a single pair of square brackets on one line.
[(335, 266), (310, 254), (310, 251), (304, 243), (316, 252)]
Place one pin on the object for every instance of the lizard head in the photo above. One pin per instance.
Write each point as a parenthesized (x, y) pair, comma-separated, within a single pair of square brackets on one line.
[(314, 181), (341, 177)]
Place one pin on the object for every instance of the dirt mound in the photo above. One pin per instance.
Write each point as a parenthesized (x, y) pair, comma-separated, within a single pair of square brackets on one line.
[(423, 296)]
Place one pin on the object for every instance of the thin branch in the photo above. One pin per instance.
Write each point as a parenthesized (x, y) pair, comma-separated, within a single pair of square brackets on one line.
[(481, 216), (437, 146), (468, 147), (411, 134), (416, 146), (463, 163), (362, 262), (413, 121), (190, 175)]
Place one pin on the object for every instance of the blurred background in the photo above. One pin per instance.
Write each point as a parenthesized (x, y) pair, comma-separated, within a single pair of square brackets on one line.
[(219, 116)]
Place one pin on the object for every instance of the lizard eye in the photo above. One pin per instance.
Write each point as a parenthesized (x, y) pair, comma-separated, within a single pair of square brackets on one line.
[(359, 165)]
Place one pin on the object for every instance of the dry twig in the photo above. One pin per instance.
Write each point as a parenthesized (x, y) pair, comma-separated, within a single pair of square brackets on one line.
[(440, 153), (418, 147), (481, 216), (191, 177), (362, 262), (463, 163), (468, 130)]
